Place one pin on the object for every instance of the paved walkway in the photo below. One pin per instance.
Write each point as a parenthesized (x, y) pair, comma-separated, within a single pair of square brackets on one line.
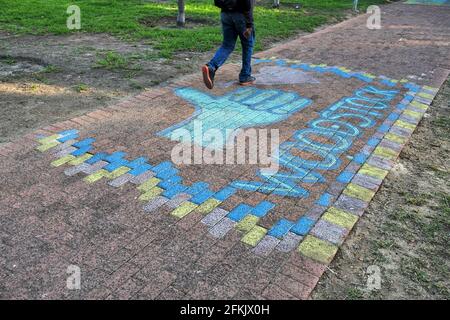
[(101, 193), (429, 2)]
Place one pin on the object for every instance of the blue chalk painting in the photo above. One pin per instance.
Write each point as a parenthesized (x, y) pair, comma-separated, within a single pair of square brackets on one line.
[(324, 139), (241, 108), (335, 124)]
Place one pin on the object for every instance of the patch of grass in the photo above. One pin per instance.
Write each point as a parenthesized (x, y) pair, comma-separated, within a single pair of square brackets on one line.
[(418, 200), (430, 269), (415, 269), (122, 18), (81, 87), (443, 122), (441, 127), (412, 217), (384, 243), (438, 170), (8, 60), (136, 85), (51, 68), (404, 216), (442, 289), (40, 77), (354, 293), (112, 61), (84, 49), (439, 226), (434, 228), (155, 82), (148, 56)]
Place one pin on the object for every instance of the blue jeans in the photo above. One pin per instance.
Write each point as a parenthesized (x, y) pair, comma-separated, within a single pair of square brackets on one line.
[(233, 25)]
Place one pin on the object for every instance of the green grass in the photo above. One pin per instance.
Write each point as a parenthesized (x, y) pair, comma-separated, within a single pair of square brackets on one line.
[(50, 69), (136, 85), (7, 60), (444, 123), (121, 18), (418, 199), (354, 293), (415, 269), (115, 61), (112, 61), (81, 87)]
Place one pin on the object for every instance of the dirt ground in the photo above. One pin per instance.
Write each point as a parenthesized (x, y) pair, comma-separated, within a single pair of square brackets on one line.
[(45, 79), (406, 230)]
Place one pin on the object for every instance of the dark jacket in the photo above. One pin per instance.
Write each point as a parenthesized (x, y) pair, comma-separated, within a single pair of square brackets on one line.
[(245, 7)]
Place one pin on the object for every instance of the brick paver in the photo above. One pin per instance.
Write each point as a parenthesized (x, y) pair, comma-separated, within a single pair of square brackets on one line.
[(101, 191)]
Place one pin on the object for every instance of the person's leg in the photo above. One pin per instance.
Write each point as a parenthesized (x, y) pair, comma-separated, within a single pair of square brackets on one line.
[(229, 41), (247, 52)]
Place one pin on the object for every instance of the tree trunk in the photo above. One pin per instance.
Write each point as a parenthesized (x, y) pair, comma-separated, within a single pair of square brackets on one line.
[(181, 19), (276, 3)]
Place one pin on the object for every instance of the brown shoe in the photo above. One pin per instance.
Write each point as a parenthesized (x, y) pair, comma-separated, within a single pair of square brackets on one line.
[(249, 81), (208, 76)]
